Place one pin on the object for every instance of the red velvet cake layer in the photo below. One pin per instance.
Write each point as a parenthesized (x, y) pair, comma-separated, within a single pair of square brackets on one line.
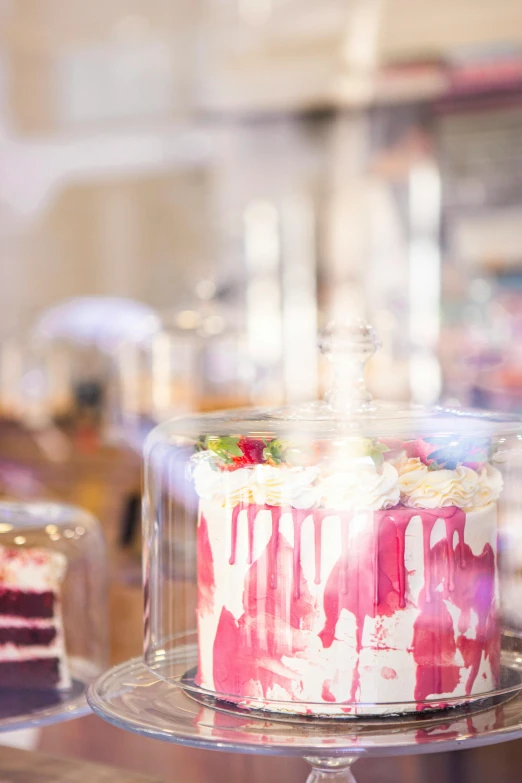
[(27, 636), (26, 604), (36, 673)]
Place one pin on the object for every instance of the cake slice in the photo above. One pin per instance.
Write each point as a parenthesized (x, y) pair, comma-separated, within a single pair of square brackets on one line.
[(32, 649)]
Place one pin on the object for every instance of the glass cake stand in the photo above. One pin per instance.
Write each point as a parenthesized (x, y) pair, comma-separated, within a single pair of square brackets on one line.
[(131, 697), (34, 709)]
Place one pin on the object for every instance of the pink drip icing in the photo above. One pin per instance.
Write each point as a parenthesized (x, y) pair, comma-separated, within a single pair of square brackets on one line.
[(369, 579), (250, 650), (298, 517), (352, 584), (345, 535), (401, 518), (402, 570), (318, 516), (326, 693), (251, 510), (251, 513), (206, 579), (474, 590), (455, 520), (273, 546), (236, 511), (456, 524), (428, 523)]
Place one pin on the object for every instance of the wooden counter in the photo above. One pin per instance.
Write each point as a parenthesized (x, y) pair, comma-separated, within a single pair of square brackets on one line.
[(21, 766)]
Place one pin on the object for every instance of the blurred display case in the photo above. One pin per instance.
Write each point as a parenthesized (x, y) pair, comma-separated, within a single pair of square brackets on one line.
[(35, 383), (311, 154), (480, 143), (176, 158), (195, 361)]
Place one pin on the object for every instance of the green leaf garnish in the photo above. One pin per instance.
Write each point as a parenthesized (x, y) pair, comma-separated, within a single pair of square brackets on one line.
[(376, 452), (274, 451), (225, 448)]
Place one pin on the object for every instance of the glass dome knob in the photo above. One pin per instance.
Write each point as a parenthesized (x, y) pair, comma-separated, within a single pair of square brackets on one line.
[(348, 346)]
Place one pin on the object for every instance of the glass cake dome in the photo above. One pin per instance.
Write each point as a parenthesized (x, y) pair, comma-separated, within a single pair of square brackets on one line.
[(337, 559), (53, 604)]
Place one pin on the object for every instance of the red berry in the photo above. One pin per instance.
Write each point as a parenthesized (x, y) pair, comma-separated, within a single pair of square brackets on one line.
[(252, 450)]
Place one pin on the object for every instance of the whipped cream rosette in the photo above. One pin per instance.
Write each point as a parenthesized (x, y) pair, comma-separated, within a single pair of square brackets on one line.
[(462, 487), (361, 486), (261, 484)]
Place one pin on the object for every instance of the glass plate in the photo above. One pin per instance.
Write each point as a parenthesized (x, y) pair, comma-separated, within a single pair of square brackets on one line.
[(22, 709), (131, 697), (178, 666)]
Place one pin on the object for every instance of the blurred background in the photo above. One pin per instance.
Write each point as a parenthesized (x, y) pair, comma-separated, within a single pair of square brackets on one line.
[(189, 190)]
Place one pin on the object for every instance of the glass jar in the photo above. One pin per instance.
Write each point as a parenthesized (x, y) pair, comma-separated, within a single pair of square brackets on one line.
[(338, 559)]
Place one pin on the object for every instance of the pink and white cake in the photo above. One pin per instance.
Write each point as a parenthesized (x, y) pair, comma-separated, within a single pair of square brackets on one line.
[(32, 650), (364, 584)]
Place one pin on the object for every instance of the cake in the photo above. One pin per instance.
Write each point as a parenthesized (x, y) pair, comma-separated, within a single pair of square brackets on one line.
[(363, 582), (32, 651)]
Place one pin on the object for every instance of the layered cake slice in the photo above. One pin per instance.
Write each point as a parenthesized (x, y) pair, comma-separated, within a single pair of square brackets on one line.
[(32, 650), (361, 585)]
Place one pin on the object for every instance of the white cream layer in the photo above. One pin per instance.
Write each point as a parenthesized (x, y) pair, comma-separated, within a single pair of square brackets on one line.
[(463, 487), (36, 570), (15, 621), (358, 485), (22, 652)]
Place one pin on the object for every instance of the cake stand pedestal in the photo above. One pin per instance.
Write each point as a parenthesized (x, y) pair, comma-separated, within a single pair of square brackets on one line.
[(131, 697), (24, 709)]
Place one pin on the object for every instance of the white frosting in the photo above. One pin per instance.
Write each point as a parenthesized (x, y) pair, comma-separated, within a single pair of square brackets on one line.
[(424, 488), (356, 485), (231, 486), (31, 569), (207, 480), (23, 652), (284, 486), (275, 486), (463, 487), (14, 621), (362, 487), (489, 485)]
